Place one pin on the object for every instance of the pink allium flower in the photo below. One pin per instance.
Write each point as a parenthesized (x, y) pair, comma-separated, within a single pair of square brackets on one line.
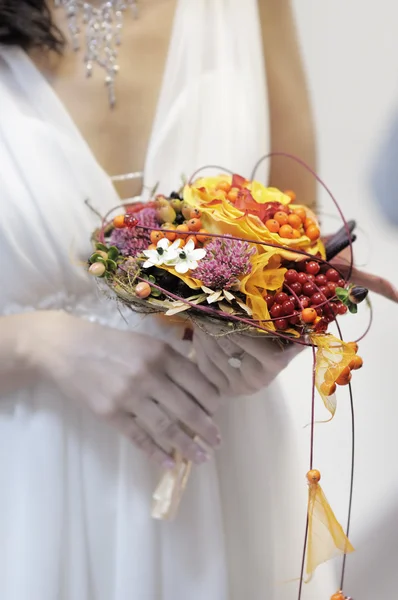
[(226, 260), (131, 242)]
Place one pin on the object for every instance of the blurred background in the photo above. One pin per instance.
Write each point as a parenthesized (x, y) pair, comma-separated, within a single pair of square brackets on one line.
[(350, 50)]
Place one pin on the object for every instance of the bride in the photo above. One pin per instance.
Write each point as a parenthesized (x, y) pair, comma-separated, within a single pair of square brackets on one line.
[(86, 399)]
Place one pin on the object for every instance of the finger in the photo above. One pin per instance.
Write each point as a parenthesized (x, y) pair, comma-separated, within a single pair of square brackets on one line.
[(268, 352), (252, 370), (187, 375), (129, 427), (235, 382), (375, 284), (184, 407), (206, 366), (166, 431)]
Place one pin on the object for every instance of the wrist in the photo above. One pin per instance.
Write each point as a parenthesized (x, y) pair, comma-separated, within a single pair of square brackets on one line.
[(20, 365)]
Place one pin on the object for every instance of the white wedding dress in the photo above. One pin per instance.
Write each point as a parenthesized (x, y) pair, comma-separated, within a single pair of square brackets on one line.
[(75, 497)]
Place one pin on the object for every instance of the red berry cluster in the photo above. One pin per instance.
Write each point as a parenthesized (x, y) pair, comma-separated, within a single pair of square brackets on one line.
[(308, 297)]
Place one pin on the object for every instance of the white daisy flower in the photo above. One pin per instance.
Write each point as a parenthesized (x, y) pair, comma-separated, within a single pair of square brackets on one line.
[(188, 257), (163, 254)]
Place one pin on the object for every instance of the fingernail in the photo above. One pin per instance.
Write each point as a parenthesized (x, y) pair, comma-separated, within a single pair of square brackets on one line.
[(201, 457), (168, 463)]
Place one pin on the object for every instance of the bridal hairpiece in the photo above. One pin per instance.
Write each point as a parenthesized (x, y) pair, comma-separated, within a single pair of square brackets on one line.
[(100, 26)]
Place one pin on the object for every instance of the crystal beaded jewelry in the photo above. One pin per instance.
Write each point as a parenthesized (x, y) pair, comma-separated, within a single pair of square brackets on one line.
[(102, 25)]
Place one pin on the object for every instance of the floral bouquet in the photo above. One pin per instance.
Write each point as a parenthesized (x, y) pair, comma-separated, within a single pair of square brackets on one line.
[(228, 254)]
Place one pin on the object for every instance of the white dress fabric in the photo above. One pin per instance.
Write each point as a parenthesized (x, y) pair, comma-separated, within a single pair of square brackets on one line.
[(75, 496)]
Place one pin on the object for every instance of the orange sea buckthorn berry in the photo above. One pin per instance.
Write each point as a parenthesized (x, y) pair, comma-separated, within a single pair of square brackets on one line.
[(296, 234), (309, 223), (272, 225), (356, 363), (291, 195), (195, 213), (353, 346), (300, 212), (170, 235), (294, 220), (313, 233), (225, 186), (233, 194), (194, 225), (308, 315), (143, 289), (182, 230), (194, 238), (118, 222), (152, 247), (286, 231), (281, 217), (313, 476), (328, 388), (156, 236), (203, 236)]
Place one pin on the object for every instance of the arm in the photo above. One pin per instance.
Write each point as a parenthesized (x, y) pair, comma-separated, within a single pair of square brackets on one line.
[(291, 119), (16, 366), (148, 391)]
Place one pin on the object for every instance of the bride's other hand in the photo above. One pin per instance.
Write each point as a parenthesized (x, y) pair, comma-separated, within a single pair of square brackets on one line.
[(138, 384), (374, 283), (257, 361)]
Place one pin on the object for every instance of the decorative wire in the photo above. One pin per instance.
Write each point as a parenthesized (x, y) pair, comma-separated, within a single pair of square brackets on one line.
[(322, 183), (351, 494), (311, 467)]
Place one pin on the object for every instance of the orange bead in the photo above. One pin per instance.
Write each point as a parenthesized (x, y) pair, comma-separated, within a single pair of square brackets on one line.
[(225, 186), (118, 222), (328, 388), (300, 212), (313, 233), (286, 231), (194, 225), (194, 238), (353, 346), (156, 236), (143, 289), (296, 234), (313, 476), (345, 376), (195, 213), (356, 363), (291, 195), (294, 220), (281, 217), (181, 230), (233, 194), (272, 225), (308, 315), (203, 236)]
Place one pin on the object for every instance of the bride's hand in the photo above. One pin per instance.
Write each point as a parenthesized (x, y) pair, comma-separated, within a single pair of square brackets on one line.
[(257, 361), (374, 283), (137, 383)]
